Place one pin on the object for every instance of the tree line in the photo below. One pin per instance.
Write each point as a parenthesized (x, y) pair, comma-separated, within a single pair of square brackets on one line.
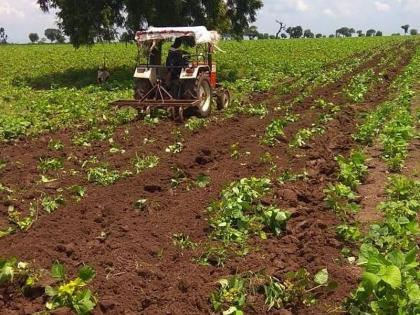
[(299, 32), (56, 35), (52, 34)]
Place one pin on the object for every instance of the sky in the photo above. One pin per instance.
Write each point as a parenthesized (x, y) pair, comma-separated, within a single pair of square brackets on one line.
[(21, 17)]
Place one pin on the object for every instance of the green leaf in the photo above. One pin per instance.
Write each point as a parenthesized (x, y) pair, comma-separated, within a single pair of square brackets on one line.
[(202, 181), (57, 271), (51, 292), (392, 276), (6, 232), (321, 277), (233, 310), (83, 303), (6, 273), (413, 292), (86, 273), (371, 279)]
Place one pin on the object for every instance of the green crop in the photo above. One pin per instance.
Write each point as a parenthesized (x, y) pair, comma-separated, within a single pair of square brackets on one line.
[(55, 145), (234, 151), (289, 176), (46, 164), (359, 86), (51, 203), (46, 88), (95, 134), (274, 131), (78, 192), (352, 169), (390, 283), (239, 214), (302, 137), (194, 124), (145, 162), (16, 272), (179, 177), (24, 223), (71, 293), (237, 107), (183, 241), (178, 145), (341, 199), (296, 288), (2, 164), (231, 297), (349, 233), (202, 181), (103, 176), (5, 189)]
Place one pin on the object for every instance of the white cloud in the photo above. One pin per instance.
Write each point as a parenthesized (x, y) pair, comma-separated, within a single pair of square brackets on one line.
[(382, 6), (302, 6), (329, 12), (6, 10), (409, 4)]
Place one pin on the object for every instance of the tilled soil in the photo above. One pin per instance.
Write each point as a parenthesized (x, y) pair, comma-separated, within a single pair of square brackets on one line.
[(139, 270)]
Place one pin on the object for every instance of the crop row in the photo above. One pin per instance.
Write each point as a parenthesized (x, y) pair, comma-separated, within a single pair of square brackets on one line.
[(388, 250)]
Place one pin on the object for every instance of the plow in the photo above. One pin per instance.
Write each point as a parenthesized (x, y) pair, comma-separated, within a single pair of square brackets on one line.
[(186, 82)]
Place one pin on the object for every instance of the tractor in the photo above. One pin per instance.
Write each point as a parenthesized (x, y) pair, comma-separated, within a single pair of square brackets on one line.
[(196, 84)]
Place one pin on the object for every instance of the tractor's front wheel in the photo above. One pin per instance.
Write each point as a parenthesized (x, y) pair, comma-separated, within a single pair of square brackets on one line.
[(223, 99)]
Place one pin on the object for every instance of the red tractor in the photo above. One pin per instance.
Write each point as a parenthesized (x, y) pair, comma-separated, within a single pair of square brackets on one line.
[(195, 85)]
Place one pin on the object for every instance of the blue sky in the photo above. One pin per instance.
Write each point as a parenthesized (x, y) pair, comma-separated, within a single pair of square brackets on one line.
[(20, 17)]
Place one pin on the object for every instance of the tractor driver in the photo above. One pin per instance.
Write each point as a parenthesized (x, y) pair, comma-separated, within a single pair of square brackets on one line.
[(175, 62)]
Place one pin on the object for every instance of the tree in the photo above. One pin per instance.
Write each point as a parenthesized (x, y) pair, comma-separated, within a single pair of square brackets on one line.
[(295, 32), (370, 32), (252, 32), (405, 28), (360, 33), (378, 33), (308, 34), (284, 36), (414, 31), (60, 38), (331, 36), (3, 36), (127, 37), (52, 34), (33, 37), (84, 22), (345, 31), (319, 35), (282, 27)]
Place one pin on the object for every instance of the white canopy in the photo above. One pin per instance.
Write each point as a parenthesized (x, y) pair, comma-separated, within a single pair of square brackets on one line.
[(200, 34)]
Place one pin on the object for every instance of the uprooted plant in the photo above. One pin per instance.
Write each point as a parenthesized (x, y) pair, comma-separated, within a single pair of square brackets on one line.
[(294, 288)]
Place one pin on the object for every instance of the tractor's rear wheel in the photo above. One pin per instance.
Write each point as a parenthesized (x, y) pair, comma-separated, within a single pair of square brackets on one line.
[(141, 87), (201, 90), (204, 95)]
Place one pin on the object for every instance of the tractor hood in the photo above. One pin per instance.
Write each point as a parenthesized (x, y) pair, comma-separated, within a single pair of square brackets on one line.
[(200, 34)]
